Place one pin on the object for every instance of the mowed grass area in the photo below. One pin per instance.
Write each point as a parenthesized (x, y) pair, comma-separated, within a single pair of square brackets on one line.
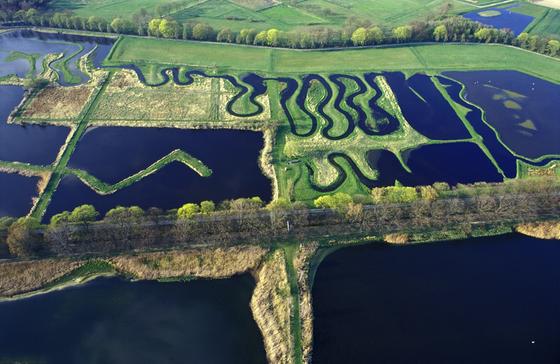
[(262, 14), (434, 57)]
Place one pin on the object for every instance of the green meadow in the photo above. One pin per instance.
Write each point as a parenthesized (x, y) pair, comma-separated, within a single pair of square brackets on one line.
[(435, 57)]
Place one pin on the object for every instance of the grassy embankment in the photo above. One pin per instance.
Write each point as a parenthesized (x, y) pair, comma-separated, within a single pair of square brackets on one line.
[(63, 67), (177, 155), (419, 58)]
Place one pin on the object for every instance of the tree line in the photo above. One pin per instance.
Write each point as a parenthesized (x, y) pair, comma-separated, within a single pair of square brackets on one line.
[(355, 32), (386, 210)]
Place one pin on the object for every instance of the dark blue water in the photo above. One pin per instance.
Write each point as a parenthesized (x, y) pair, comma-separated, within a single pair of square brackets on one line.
[(522, 108), (115, 321), (16, 194), (516, 22), (504, 158), (452, 163), (431, 115), (112, 154), (32, 144), (486, 300)]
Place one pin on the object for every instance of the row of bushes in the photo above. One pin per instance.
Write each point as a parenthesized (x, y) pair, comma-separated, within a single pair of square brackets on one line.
[(355, 32), (394, 208)]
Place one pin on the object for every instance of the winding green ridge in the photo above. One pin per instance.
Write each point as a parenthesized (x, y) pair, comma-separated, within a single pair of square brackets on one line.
[(175, 156), (413, 58)]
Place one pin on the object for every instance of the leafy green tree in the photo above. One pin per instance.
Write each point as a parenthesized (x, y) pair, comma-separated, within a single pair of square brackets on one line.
[(207, 207), (553, 47), (83, 214), (483, 35), (375, 35), (202, 31), (339, 201), (59, 218), (153, 27), (168, 28), (402, 33), (120, 25), (440, 33), (359, 37), (188, 211), (522, 39), (261, 38), (120, 212), (273, 37), (24, 239)]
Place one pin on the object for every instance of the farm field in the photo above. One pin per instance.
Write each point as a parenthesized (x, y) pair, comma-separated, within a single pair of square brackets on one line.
[(259, 14)]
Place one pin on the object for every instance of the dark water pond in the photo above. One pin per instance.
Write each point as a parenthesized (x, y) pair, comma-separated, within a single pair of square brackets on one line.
[(115, 321), (112, 154), (452, 163), (16, 194), (42, 44), (31, 143), (522, 108), (487, 300), (507, 19), (505, 159), (425, 108)]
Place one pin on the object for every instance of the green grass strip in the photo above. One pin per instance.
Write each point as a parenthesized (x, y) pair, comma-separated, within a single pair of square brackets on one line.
[(31, 58), (62, 66), (175, 156), (90, 269)]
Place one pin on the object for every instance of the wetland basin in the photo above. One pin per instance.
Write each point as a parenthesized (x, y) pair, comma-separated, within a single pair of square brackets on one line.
[(521, 108), (484, 300), (452, 163), (41, 44), (111, 320), (30, 143), (501, 18), (425, 108), (112, 154)]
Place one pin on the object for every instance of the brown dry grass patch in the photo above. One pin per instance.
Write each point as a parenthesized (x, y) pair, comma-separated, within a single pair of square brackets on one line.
[(23, 277), (55, 102), (203, 263), (542, 230), (397, 238), (271, 305)]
